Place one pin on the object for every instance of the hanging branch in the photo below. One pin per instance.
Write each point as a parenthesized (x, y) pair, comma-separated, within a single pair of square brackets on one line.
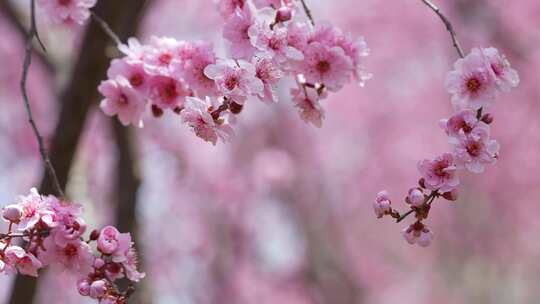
[(448, 25), (106, 28), (308, 12), (32, 33)]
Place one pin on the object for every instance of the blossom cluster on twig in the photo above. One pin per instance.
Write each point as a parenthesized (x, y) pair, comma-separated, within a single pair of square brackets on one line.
[(266, 42)]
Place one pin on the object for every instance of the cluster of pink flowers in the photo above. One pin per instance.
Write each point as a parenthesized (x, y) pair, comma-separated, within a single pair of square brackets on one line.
[(266, 43), (68, 11), (53, 233), (474, 84)]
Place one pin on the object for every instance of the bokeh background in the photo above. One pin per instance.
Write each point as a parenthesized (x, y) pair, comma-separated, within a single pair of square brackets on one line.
[(283, 214)]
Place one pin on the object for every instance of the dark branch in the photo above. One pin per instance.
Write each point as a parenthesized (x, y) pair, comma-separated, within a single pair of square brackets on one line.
[(308, 12), (106, 28), (448, 25), (32, 33)]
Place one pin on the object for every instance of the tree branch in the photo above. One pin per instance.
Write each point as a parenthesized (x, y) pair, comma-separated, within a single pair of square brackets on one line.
[(80, 94), (308, 12), (448, 25), (32, 33)]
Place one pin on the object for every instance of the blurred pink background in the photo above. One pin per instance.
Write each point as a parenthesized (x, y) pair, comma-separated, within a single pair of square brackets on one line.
[(283, 214)]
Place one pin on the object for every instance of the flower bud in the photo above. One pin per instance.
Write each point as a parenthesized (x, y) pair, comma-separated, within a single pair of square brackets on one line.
[(487, 118), (98, 263), (94, 235), (98, 289), (416, 197), (451, 195), (12, 213), (284, 14), (84, 287)]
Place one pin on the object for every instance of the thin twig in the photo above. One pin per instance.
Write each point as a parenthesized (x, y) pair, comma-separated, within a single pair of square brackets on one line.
[(106, 28), (448, 25), (308, 12), (32, 33)]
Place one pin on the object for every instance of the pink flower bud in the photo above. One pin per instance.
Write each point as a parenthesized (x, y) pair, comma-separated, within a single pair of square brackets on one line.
[(416, 197), (84, 287), (487, 118), (382, 203), (98, 263), (107, 242), (418, 233), (284, 14), (451, 195), (12, 213), (98, 289)]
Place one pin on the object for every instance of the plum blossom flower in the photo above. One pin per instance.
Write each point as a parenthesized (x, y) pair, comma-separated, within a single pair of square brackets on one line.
[(475, 150), (196, 57), (167, 92), (440, 173), (110, 239), (505, 77), (307, 102), (25, 262), (227, 7), (298, 34), (34, 211), (325, 65), (122, 100), (235, 79), (133, 50), (418, 233), (236, 30), (133, 71), (196, 115), (382, 204), (75, 256), (273, 42), (471, 83), (462, 122), (269, 73), (161, 55), (68, 11), (97, 289)]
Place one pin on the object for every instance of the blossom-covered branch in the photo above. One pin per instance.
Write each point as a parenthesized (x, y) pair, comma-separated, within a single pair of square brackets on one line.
[(266, 43), (475, 83)]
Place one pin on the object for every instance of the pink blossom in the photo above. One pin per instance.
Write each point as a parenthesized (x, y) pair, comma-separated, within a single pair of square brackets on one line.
[(415, 197), (75, 256), (235, 31), (325, 65), (471, 83), (273, 42), (130, 265), (227, 7), (235, 79), (12, 213), (196, 57), (68, 11), (418, 233), (505, 77), (196, 115), (476, 149), (356, 50), (298, 34), (133, 71), (25, 262), (269, 73), (122, 100), (34, 211), (267, 3), (109, 240), (133, 50), (462, 122), (440, 173), (167, 92), (161, 56), (382, 204), (309, 108)]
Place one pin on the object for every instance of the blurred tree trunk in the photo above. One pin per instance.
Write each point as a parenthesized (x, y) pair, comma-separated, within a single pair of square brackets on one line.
[(127, 186), (123, 16)]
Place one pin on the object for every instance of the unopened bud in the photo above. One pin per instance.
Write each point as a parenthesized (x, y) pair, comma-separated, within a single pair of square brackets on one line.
[(12, 213), (487, 118), (451, 195), (284, 14), (94, 235)]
